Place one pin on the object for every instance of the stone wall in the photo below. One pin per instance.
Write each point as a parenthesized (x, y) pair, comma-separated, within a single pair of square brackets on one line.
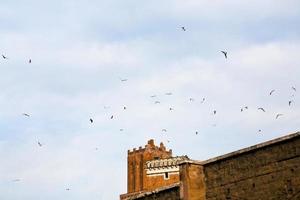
[(171, 192), (270, 172)]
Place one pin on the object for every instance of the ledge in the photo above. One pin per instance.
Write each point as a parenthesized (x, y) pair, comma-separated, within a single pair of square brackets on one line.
[(245, 150), (147, 193)]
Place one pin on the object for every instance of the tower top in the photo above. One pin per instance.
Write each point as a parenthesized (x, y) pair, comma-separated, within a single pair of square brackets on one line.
[(150, 147)]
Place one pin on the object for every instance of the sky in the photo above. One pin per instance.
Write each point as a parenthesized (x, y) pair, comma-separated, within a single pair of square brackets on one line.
[(80, 52)]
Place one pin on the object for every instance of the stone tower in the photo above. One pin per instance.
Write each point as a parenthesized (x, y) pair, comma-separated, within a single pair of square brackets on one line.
[(136, 166)]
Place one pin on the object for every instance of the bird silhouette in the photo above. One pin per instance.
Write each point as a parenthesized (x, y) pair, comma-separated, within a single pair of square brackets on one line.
[(259, 130), (111, 117), (290, 102), (196, 133), (203, 100), (278, 115), (242, 109), (26, 115), (183, 28), (215, 112), (152, 96), (40, 144), (293, 88), (272, 92), (225, 54), (171, 109), (123, 79), (29, 61), (91, 120), (67, 189), (4, 57), (262, 109), (191, 99), (164, 130), (124, 108)]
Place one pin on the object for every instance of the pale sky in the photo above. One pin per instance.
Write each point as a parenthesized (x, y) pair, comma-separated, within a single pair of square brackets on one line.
[(81, 49)]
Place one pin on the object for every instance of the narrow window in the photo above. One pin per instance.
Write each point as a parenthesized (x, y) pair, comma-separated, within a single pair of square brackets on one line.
[(166, 175)]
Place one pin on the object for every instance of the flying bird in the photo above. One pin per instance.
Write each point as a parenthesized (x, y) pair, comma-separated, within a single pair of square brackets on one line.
[(40, 144), (164, 130), (183, 28), (245, 107), (203, 100), (111, 117), (171, 109), (259, 131), (91, 120), (278, 115), (67, 189), (225, 54), (293, 88), (290, 102), (4, 57), (215, 112), (29, 61), (152, 96), (26, 115), (123, 79), (124, 108), (272, 92), (262, 109), (196, 132), (191, 99)]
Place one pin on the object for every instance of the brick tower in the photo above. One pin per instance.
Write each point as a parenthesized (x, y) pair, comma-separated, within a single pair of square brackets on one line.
[(136, 174), (150, 168)]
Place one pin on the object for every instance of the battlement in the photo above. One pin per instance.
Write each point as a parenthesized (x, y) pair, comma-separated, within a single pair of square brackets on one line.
[(149, 147)]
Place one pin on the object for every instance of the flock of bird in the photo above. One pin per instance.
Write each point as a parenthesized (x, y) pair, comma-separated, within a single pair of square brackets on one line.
[(214, 112)]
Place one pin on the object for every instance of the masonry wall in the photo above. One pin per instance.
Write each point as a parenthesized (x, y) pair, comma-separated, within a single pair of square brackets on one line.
[(169, 194), (153, 182), (271, 172)]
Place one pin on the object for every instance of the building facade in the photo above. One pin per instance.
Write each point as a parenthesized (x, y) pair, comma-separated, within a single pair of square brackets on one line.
[(270, 170)]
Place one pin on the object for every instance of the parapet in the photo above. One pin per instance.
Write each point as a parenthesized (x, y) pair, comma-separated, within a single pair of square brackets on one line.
[(150, 145)]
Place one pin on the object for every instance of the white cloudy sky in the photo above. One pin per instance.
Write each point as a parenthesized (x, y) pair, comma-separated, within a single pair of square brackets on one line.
[(81, 49)]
